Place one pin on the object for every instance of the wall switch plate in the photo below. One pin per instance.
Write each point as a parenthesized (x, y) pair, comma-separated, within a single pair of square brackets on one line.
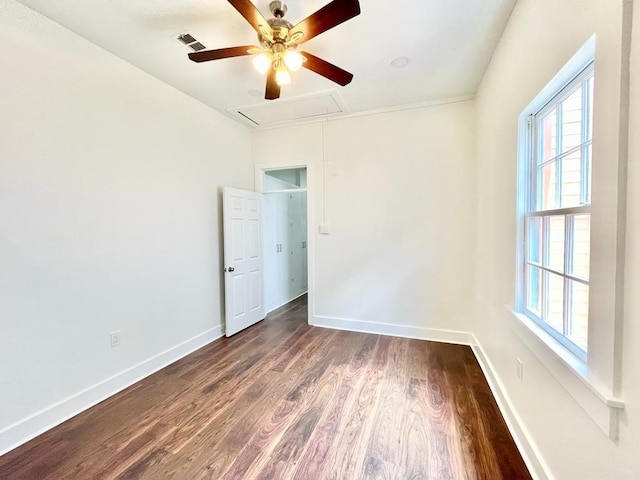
[(114, 338), (324, 228)]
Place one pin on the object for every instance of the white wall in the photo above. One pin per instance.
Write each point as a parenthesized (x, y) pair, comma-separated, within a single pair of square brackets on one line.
[(540, 38), (631, 328), (109, 214), (400, 205)]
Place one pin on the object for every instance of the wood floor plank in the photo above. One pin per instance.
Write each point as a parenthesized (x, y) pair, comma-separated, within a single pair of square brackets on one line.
[(213, 449), (413, 461), (445, 459), (140, 468), (381, 457), (283, 400), (252, 458), (347, 456), (318, 451), (211, 457), (283, 458), (218, 390)]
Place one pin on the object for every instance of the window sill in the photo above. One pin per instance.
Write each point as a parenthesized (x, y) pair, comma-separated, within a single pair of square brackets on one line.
[(597, 401)]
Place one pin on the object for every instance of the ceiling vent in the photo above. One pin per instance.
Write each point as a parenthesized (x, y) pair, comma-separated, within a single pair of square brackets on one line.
[(186, 38), (190, 41), (293, 110), (196, 46)]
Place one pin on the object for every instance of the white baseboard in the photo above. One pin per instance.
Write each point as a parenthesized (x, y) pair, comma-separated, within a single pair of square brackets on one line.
[(406, 331), (528, 449), (24, 430)]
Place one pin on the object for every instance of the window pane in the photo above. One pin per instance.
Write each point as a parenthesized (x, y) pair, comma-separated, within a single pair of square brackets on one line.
[(534, 279), (580, 250), (554, 301), (571, 179), (579, 311), (572, 120), (534, 246), (548, 136), (285, 179), (554, 245), (548, 187)]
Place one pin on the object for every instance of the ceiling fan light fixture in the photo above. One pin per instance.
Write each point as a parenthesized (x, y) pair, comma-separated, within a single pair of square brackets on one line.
[(282, 76), (293, 60), (278, 39), (262, 63)]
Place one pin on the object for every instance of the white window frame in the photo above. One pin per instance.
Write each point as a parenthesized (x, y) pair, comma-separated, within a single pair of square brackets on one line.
[(593, 380), (533, 208)]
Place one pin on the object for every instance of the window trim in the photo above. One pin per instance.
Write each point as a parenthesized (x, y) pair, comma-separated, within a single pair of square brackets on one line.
[(532, 206), (591, 382)]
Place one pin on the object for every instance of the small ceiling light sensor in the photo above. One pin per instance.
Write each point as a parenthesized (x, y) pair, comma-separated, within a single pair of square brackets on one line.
[(400, 62), (255, 93)]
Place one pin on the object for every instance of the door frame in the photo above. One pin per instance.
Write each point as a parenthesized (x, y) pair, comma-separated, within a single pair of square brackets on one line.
[(259, 187)]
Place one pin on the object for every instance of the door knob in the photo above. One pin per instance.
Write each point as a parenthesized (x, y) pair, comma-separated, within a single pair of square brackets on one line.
[(231, 269)]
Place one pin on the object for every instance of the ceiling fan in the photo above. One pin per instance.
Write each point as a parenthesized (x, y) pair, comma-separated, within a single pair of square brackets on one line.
[(279, 40)]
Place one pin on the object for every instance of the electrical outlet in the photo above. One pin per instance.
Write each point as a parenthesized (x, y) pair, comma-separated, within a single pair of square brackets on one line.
[(519, 369), (114, 338)]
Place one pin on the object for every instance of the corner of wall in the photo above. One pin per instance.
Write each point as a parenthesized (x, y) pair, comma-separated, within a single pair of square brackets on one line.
[(521, 436), (28, 428)]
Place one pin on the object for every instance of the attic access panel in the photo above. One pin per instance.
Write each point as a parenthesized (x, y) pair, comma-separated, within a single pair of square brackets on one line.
[(291, 111)]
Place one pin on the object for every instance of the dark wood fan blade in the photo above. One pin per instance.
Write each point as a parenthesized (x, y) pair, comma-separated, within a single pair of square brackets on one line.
[(272, 90), (252, 15), (327, 17), (326, 69), (206, 55)]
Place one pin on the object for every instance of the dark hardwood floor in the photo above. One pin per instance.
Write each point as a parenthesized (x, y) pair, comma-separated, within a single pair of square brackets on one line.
[(283, 400)]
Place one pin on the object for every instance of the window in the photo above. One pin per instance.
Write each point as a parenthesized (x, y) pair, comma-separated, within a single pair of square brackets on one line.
[(571, 227), (284, 179), (557, 214)]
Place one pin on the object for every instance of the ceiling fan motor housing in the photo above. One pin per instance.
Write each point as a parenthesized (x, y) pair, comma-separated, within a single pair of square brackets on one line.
[(278, 9), (279, 32)]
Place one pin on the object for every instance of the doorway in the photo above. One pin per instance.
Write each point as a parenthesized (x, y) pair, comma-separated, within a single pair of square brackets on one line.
[(285, 242)]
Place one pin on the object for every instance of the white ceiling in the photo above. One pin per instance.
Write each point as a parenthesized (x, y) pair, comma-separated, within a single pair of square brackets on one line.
[(448, 42)]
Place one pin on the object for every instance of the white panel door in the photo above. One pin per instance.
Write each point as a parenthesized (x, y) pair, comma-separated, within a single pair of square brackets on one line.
[(243, 259)]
